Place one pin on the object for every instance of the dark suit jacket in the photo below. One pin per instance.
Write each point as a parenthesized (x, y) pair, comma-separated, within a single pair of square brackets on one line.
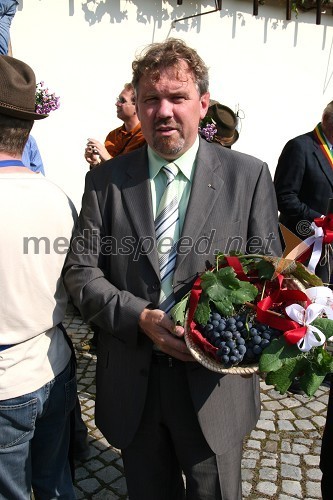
[(303, 182), (112, 273)]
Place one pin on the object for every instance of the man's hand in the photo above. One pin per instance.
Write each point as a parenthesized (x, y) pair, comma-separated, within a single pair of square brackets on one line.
[(164, 333), (96, 152)]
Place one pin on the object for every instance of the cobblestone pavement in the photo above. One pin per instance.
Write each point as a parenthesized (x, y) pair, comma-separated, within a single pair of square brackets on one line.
[(280, 459)]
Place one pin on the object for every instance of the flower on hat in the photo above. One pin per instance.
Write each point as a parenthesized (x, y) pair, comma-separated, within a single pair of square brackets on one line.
[(207, 128), (45, 101)]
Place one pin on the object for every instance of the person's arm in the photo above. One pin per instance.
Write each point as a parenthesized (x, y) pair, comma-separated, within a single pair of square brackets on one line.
[(36, 162), (31, 156), (288, 180), (6, 20), (98, 300), (263, 220)]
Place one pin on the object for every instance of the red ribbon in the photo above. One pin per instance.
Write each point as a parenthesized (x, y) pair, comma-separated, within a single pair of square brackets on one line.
[(235, 263), (197, 336), (326, 223), (292, 330)]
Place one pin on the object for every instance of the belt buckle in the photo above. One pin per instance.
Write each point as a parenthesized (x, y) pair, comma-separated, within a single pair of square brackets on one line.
[(161, 357)]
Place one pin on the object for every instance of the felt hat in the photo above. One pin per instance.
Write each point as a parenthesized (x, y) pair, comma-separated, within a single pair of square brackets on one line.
[(17, 89), (225, 122)]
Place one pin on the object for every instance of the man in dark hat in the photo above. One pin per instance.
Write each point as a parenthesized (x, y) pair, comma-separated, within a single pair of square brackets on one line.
[(222, 125), (37, 372)]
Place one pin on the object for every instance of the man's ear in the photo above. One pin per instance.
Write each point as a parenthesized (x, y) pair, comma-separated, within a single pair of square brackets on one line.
[(204, 103)]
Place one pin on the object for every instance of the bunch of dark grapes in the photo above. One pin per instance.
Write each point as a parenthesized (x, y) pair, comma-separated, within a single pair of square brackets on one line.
[(237, 340)]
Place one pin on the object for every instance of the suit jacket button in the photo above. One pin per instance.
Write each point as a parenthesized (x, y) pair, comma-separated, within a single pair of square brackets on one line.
[(156, 286)]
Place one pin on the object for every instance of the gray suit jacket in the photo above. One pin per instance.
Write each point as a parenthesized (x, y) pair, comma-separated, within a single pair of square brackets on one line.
[(112, 273)]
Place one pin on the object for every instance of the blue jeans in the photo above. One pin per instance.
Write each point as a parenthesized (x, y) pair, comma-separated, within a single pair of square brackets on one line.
[(34, 441), (7, 12)]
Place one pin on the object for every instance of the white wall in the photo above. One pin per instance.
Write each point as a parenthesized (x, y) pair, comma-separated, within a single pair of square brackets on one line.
[(278, 72)]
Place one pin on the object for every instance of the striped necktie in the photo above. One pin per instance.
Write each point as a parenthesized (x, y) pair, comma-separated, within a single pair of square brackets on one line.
[(167, 235)]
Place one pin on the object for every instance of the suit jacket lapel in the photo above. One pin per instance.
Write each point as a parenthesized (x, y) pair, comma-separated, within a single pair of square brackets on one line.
[(137, 197), (204, 193), (323, 162)]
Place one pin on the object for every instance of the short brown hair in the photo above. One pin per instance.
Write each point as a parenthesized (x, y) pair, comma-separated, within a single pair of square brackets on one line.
[(129, 87), (159, 56), (14, 133)]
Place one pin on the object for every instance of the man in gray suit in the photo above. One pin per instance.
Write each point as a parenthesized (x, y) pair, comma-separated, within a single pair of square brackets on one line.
[(167, 413)]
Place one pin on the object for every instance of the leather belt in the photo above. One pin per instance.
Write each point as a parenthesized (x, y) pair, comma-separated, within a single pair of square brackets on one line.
[(162, 359)]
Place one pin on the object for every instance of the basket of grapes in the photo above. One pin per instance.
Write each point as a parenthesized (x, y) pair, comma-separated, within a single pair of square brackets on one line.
[(254, 313)]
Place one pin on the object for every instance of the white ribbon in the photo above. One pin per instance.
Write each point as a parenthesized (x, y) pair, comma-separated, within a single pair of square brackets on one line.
[(304, 317), (317, 240), (322, 295)]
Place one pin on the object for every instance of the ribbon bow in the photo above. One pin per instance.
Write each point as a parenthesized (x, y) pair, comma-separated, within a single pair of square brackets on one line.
[(305, 336), (323, 234), (326, 225), (324, 296)]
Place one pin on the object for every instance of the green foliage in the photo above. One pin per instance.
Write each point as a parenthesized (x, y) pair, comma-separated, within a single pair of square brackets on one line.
[(178, 311), (265, 269), (202, 311), (224, 290), (324, 325), (277, 354), (283, 377), (283, 362)]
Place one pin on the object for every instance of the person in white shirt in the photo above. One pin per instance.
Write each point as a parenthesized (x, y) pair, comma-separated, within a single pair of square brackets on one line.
[(37, 369)]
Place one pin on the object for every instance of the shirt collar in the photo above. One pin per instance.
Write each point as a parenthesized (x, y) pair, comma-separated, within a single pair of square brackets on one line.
[(130, 132), (185, 162)]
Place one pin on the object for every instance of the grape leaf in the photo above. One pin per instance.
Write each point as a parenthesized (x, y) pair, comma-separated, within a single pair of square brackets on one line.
[(202, 312), (322, 360), (224, 289), (178, 311), (283, 377), (225, 307), (214, 283), (310, 381), (276, 354), (311, 367), (324, 325), (265, 269), (246, 293)]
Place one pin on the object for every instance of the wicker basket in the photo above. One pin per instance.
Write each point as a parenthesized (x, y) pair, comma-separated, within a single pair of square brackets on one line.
[(209, 362)]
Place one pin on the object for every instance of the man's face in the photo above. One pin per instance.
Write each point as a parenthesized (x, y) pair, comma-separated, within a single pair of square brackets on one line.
[(170, 111), (125, 106)]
